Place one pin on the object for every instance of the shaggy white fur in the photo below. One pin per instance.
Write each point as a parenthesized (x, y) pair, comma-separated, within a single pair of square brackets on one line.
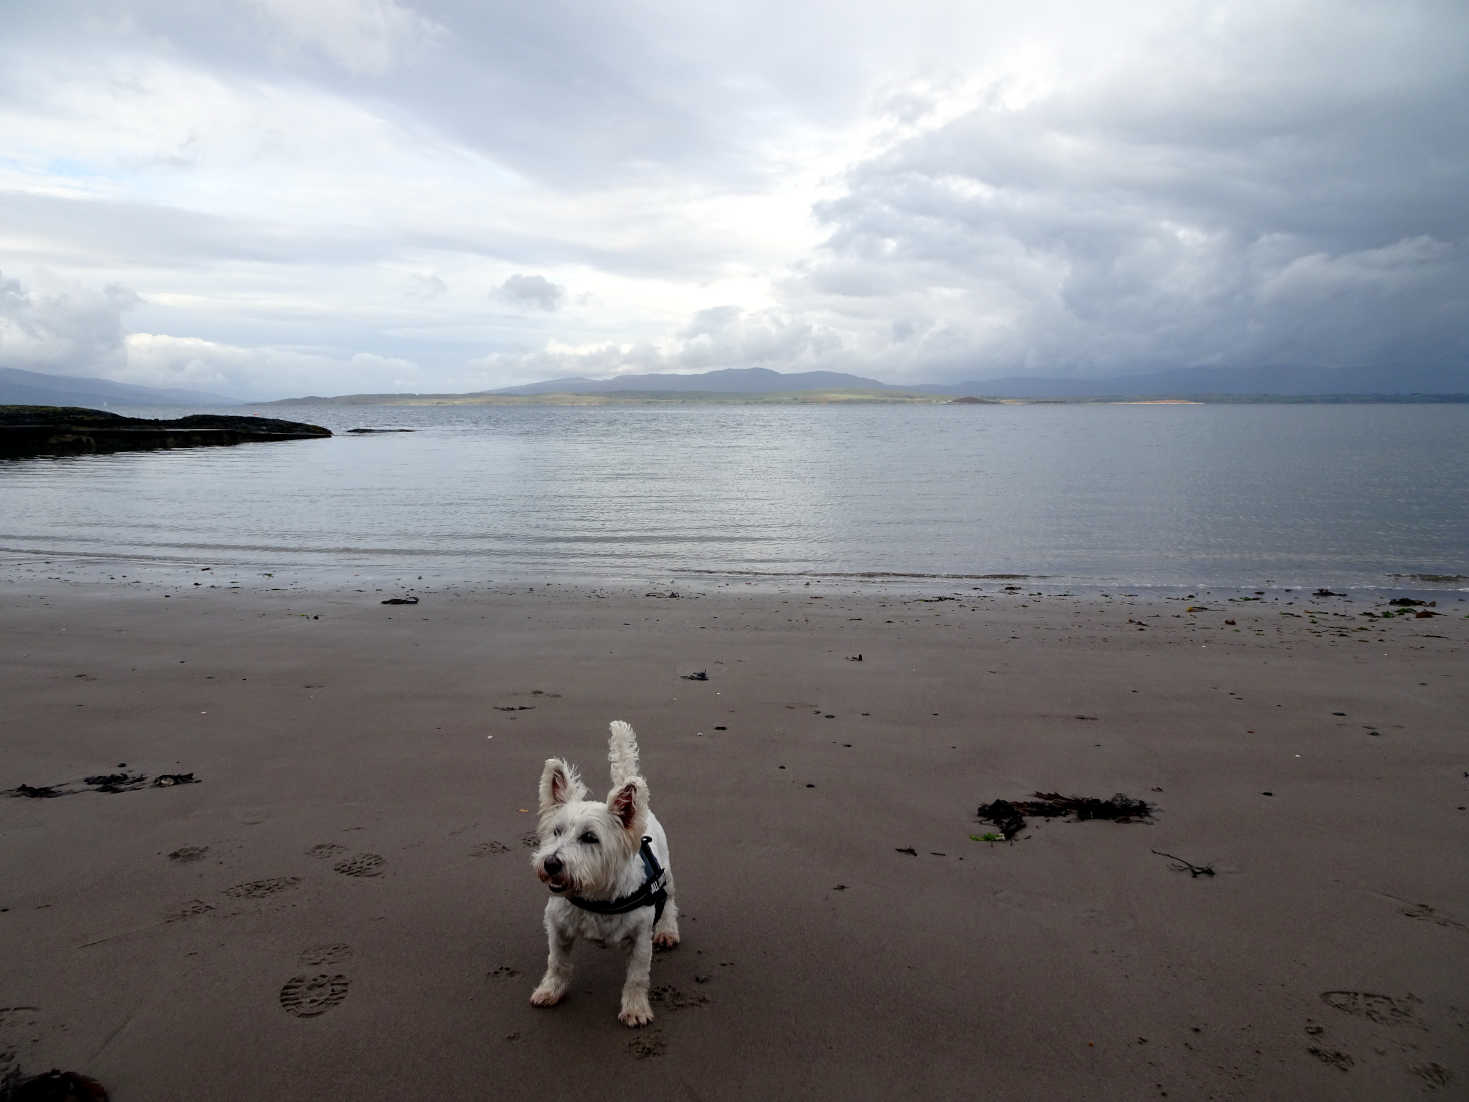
[(590, 850)]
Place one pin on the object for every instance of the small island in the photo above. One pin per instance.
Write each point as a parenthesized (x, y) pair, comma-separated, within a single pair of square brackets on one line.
[(72, 430)]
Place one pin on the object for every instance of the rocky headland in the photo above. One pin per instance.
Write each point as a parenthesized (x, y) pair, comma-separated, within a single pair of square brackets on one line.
[(71, 430)]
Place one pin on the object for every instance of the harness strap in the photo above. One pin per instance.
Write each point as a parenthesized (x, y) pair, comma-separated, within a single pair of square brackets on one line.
[(653, 893)]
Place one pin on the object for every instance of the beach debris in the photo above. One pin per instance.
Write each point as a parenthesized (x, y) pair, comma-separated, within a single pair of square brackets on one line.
[(100, 782), (1181, 865), (697, 675), (116, 782), (401, 601), (1010, 817), (1332, 1058), (58, 1086), (36, 791), (909, 850), (1409, 602), (854, 658), (1324, 592)]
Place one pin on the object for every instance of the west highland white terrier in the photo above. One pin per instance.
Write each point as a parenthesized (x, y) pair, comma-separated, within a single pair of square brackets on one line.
[(606, 865)]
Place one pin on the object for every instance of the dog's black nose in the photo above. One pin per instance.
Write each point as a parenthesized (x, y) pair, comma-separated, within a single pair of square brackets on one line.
[(553, 865)]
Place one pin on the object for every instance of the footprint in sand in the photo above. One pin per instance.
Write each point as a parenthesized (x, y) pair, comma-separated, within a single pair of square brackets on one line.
[(530, 839), (361, 864), (504, 972), (1434, 1075), (324, 850), (1382, 1009), (489, 849), (185, 854), (191, 909), (306, 996), (648, 1042), (318, 956), (259, 889), (667, 995)]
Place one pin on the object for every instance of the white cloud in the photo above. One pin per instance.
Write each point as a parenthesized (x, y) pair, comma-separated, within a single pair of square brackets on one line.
[(158, 360)]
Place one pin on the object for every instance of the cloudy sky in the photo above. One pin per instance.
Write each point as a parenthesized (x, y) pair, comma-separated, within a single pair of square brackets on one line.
[(282, 197)]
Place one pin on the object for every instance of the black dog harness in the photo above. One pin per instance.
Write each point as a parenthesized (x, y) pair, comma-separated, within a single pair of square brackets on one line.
[(653, 893)]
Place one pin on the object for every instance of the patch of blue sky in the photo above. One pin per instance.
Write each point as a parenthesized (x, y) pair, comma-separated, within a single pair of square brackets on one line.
[(69, 167)]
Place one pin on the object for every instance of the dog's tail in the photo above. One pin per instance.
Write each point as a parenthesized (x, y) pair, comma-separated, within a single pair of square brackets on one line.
[(622, 752)]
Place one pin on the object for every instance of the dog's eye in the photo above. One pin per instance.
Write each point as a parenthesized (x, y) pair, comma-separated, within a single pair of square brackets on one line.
[(557, 832), (588, 839)]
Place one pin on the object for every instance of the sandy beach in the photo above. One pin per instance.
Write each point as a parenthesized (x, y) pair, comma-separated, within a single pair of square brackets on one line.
[(342, 904)]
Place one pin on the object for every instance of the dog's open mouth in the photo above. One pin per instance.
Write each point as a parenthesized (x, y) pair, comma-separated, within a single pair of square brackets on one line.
[(557, 884)]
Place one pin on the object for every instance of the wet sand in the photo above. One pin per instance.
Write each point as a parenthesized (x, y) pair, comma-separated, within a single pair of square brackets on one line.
[(342, 906)]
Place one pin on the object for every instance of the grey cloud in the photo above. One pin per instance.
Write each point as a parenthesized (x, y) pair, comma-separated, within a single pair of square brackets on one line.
[(64, 328), (1154, 226), (533, 291)]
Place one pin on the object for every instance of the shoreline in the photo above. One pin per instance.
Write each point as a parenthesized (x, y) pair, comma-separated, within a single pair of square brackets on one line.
[(366, 772), (49, 568)]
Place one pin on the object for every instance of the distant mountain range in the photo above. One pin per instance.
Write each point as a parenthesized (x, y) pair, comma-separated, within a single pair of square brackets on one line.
[(32, 388), (734, 380), (1226, 382), (19, 387), (1197, 382)]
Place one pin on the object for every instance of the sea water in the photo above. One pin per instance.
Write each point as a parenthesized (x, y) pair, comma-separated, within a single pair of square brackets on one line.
[(1063, 495)]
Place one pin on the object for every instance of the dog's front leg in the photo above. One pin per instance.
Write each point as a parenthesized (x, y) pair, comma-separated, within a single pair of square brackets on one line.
[(636, 1010), (558, 965), (665, 932)]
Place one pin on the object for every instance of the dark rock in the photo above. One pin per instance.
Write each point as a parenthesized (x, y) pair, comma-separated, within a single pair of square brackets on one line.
[(71, 430), (58, 1086)]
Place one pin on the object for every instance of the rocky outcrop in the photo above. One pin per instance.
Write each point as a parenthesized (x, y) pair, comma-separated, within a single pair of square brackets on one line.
[(71, 430)]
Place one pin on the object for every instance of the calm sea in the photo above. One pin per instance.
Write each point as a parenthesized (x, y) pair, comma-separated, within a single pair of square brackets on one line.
[(1070, 496)]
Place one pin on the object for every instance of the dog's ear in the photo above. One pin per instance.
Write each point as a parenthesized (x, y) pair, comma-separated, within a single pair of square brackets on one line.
[(559, 785), (628, 803)]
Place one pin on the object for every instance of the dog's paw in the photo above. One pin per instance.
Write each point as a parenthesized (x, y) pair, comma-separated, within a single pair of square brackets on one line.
[(636, 1013), (666, 939), (546, 995)]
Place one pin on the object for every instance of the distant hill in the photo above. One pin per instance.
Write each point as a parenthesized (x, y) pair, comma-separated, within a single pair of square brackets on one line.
[(33, 388), (1224, 382), (735, 380), (760, 383)]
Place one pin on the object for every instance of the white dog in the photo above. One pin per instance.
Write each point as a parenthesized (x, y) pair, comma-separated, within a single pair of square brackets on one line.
[(607, 867)]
